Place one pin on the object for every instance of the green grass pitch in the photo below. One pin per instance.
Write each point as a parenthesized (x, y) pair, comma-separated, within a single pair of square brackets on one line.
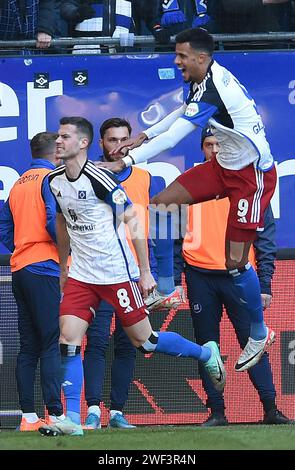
[(236, 437)]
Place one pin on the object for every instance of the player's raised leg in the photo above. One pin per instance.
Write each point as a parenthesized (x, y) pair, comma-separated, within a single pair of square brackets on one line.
[(246, 216), (139, 330)]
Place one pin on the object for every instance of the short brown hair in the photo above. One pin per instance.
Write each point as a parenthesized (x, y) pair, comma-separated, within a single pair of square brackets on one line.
[(114, 122), (43, 144), (82, 124)]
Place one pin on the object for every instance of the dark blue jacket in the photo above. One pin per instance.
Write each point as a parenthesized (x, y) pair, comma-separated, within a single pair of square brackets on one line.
[(23, 20)]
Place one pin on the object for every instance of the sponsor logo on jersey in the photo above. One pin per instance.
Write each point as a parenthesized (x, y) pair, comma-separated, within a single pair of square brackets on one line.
[(119, 197), (192, 110), (73, 215), (81, 228)]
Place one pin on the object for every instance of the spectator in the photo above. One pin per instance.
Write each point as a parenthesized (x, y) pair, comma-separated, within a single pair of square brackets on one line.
[(91, 203), (146, 18), (29, 19), (27, 229), (249, 16), (92, 18), (89, 18), (209, 289), (177, 15)]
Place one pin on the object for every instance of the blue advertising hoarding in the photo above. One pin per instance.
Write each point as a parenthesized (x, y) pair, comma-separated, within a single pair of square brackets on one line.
[(36, 92)]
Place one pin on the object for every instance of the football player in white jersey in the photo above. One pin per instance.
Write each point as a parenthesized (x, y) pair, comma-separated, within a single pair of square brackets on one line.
[(243, 170), (90, 202), (139, 186)]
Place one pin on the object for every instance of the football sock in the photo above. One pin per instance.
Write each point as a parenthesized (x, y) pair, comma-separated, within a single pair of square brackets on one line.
[(249, 293), (74, 416), (165, 285), (30, 417), (94, 409), (72, 381), (162, 236), (258, 331), (55, 418), (176, 345)]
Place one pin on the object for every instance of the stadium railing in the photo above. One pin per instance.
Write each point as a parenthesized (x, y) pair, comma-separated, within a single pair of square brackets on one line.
[(284, 40)]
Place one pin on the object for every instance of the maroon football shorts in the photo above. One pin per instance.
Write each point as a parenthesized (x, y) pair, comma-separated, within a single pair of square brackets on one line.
[(249, 191), (82, 300)]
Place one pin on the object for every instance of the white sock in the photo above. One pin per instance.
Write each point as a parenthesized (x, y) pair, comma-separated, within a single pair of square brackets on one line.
[(95, 410), (114, 412), (31, 417), (54, 418)]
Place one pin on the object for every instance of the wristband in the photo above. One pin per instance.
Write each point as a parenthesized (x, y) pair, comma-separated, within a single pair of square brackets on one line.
[(128, 160)]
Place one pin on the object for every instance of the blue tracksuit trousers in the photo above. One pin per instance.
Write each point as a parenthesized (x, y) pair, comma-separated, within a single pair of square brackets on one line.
[(98, 337), (207, 294), (37, 298)]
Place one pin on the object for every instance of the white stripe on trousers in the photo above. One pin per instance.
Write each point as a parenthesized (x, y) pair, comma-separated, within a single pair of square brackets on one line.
[(255, 214), (136, 294)]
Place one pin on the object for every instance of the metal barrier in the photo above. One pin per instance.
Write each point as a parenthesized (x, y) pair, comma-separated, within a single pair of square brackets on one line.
[(285, 39)]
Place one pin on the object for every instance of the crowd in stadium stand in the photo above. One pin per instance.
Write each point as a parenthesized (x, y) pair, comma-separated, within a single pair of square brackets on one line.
[(168, 17), (47, 19), (28, 19)]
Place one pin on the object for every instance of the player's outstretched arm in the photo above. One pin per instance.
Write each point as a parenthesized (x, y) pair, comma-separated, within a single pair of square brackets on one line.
[(156, 130), (129, 144), (116, 167), (151, 132), (122, 149)]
